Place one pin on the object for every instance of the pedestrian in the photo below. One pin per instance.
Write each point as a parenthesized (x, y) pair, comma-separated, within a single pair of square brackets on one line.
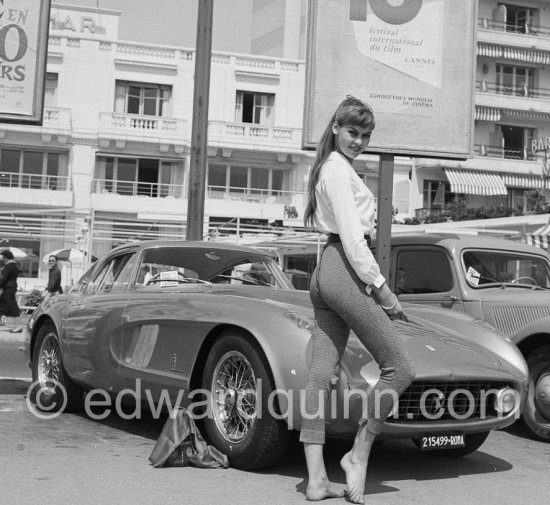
[(8, 287), (348, 292), (54, 278)]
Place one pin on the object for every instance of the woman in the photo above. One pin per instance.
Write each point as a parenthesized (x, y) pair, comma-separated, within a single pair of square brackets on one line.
[(348, 292), (8, 286)]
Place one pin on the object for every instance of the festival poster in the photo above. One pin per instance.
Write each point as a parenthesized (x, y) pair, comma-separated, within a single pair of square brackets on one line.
[(411, 60), (23, 51)]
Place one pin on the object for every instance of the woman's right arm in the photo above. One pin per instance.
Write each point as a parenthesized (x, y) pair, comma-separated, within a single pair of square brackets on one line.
[(389, 302)]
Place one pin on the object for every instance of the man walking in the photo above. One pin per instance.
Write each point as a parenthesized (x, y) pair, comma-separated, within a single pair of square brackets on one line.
[(54, 278)]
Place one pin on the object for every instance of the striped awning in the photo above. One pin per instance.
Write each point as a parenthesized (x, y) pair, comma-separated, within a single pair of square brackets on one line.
[(530, 114), (539, 237), (493, 114), (513, 53), (487, 114), (475, 182), (523, 181)]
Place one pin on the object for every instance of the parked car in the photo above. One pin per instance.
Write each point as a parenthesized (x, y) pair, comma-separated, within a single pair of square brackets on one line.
[(502, 282), (220, 328)]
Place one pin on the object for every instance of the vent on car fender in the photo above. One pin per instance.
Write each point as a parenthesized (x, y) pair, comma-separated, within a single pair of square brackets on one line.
[(510, 320)]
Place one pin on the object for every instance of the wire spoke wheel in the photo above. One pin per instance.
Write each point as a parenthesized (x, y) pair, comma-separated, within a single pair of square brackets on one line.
[(49, 363), (242, 421), (55, 391), (234, 396)]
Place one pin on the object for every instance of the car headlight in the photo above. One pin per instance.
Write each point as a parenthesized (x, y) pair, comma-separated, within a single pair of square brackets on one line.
[(303, 322), (506, 400)]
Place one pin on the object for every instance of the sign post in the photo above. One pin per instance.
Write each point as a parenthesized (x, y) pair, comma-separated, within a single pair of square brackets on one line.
[(199, 130)]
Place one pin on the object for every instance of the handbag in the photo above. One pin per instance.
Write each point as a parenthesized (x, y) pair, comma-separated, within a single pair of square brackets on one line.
[(181, 444)]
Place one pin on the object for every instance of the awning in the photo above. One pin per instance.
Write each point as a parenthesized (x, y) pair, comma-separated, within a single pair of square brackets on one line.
[(539, 237), (494, 114), (513, 53), (475, 182), (487, 114), (523, 181)]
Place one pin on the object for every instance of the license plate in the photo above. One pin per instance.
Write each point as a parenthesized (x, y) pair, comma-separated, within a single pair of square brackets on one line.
[(443, 441)]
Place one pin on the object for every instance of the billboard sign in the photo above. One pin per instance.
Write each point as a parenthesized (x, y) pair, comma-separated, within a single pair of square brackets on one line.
[(23, 52), (411, 60)]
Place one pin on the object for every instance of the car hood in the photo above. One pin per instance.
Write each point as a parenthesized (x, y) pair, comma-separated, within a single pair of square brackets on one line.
[(513, 295), (437, 355)]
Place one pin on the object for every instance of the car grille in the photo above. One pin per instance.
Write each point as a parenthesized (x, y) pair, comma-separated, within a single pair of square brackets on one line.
[(444, 401)]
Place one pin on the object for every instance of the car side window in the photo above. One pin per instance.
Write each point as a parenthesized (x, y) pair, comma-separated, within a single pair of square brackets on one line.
[(163, 268), (422, 271), (115, 273), (246, 274)]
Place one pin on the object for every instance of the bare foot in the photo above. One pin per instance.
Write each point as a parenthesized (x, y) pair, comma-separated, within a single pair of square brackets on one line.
[(323, 490), (356, 474)]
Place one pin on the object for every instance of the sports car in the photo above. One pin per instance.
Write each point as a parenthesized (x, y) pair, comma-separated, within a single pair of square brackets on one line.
[(218, 328)]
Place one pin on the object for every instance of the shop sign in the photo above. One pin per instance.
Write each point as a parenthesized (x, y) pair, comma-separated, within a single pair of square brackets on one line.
[(540, 144), (23, 50)]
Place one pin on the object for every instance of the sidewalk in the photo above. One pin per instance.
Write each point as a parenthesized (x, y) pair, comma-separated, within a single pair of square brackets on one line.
[(6, 336)]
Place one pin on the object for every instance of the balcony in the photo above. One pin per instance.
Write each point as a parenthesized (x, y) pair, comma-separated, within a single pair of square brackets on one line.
[(504, 152), (58, 119), (520, 36), (35, 181), (133, 127), (527, 101), (254, 195), (223, 134), (144, 197), (47, 190), (135, 196), (136, 188)]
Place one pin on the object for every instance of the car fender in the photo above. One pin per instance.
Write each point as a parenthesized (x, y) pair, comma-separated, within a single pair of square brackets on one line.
[(539, 327), (37, 320)]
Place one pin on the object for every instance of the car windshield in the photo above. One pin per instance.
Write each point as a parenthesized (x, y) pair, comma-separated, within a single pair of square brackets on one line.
[(484, 268), (168, 266)]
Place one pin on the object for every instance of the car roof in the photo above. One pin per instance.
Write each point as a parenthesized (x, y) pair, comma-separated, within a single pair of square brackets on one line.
[(463, 241), (149, 244)]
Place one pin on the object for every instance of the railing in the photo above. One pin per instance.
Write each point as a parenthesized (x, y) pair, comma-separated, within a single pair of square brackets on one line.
[(57, 116), (522, 90), (121, 121), (503, 152), (424, 213), (136, 188), (254, 132), (522, 29), (254, 195), (35, 181)]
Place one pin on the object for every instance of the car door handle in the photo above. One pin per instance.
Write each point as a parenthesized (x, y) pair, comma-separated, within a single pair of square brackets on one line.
[(77, 305)]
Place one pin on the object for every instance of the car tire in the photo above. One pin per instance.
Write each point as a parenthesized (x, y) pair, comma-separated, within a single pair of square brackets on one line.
[(472, 442), (536, 414), (53, 390), (248, 433)]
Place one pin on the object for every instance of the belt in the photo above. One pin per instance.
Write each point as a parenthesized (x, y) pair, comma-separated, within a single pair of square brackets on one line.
[(335, 238)]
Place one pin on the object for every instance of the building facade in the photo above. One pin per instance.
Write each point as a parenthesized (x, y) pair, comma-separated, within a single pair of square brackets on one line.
[(111, 161)]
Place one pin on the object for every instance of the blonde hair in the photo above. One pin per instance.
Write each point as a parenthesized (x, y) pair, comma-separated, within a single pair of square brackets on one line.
[(351, 111)]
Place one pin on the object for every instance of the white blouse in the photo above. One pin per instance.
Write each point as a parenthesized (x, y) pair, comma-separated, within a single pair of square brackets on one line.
[(346, 206)]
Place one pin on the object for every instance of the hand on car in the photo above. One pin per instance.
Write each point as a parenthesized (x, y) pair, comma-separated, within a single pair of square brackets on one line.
[(389, 303)]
